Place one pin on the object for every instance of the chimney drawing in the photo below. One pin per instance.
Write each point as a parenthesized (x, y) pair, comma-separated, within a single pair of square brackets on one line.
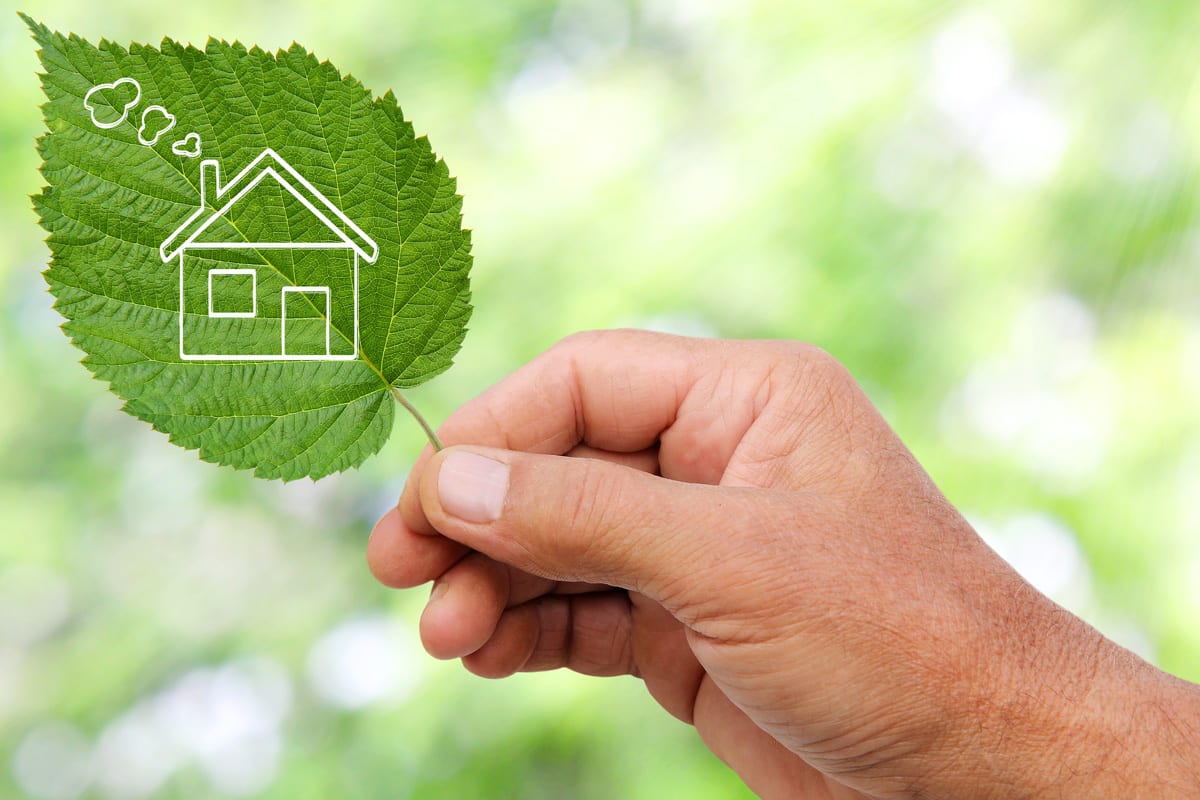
[(210, 182)]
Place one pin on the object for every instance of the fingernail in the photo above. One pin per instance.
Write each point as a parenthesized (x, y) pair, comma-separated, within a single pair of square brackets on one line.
[(439, 591), (472, 487)]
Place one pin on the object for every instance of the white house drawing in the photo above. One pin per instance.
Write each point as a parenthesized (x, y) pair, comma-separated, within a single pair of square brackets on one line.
[(246, 296)]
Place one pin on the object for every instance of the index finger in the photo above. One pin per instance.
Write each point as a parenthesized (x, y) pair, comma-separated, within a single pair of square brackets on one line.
[(621, 391)]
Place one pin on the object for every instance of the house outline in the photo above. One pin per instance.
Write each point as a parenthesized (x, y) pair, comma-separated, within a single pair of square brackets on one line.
[(223, 197)]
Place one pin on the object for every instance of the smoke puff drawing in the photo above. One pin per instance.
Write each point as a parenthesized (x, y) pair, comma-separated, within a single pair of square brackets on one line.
[(188, 146), (156, 121), (110, 92)]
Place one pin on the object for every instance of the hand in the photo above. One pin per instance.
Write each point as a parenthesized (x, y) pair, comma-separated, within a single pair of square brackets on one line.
[(736, 525)]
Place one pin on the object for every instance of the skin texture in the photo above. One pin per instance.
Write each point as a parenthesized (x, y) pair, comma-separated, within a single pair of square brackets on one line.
[(734, 523)]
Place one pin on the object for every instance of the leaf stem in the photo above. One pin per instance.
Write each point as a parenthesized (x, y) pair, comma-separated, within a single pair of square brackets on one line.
[(429, 433)]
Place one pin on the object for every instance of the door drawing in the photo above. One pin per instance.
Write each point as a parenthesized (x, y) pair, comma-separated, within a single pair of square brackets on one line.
[(306, 314)]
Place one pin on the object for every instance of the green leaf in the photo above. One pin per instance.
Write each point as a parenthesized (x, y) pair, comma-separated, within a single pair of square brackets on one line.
[(173, 307)]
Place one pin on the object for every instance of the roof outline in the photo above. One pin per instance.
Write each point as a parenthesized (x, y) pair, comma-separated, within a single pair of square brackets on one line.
[(173, 246)]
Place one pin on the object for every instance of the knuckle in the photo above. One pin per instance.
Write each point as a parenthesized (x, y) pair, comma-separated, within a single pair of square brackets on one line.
[(823, 367), (580, 340), (586, 509), (583, 503), (803, 367), (794, 350), (821, 380)]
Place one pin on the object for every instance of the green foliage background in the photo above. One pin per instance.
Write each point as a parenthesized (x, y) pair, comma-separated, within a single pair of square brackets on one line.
[(988, 212)]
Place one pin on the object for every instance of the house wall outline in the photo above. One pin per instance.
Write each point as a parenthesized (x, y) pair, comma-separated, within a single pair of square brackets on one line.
[(177, 245)]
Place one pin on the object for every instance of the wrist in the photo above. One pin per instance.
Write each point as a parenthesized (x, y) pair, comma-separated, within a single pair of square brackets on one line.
[(1101, 728), (1077, 716), (1139, 736)]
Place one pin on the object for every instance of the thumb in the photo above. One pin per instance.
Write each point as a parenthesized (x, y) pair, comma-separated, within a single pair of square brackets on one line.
[(579, 519)]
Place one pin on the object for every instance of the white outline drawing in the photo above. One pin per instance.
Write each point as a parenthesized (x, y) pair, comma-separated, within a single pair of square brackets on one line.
[(222, 197), (253, 312), (328, 313), (142, 128), (180, 148), (100, 87)]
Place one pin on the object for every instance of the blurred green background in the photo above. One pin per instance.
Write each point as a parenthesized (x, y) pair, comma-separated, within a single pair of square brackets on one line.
[(988, 212)]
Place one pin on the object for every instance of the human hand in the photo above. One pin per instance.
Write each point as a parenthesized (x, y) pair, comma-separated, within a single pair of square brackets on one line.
[(740, 528)]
